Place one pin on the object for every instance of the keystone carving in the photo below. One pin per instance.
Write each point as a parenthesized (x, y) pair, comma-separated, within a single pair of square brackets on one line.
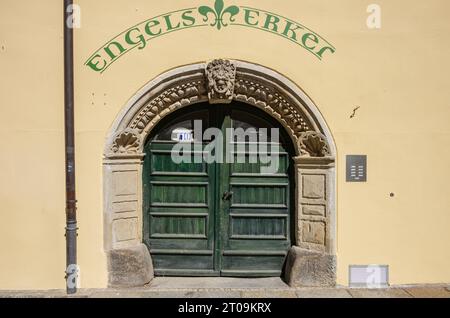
[(127, 142), (221, 76), (313, 144)]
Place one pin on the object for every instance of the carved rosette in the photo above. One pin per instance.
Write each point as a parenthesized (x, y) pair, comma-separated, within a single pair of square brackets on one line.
[(128, 142), (221, 77), (313, 144)]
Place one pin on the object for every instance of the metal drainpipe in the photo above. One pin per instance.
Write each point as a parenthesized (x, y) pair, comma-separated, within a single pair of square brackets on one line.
[(71, 202)]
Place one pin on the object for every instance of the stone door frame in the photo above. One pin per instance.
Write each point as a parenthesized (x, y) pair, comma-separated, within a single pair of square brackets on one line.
[(312, 261)]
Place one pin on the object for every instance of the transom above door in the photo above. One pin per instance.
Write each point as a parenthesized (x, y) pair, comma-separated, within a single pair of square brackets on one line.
[(218, 213)]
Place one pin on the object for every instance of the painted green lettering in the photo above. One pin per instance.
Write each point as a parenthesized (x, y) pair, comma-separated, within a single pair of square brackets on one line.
[(312, 37), (169, 23), (118, 46), (248, 16), (150, 24), (324, 49), (289, 29), (188, 20), (271, 20), (94, 65), (140, 37)]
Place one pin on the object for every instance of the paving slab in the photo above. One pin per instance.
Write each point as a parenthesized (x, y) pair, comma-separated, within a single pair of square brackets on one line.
[(36, 294), (323, 293), (217, 283), (219, 294), (253, 294), (264, 288), (146, 294), (167, 293), (115, 294), (428, 292), (280, 293), (269, 293), (379, 293)]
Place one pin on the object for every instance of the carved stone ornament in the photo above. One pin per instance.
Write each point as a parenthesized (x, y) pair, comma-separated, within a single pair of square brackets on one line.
[(267, 99), (127, 142), (313, 144), (221, 81), (172, 98), (313, 262), (221, 75)]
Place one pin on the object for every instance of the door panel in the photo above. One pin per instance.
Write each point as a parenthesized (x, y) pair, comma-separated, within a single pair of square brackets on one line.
[(226, 219), (256, 219), (180, 220)]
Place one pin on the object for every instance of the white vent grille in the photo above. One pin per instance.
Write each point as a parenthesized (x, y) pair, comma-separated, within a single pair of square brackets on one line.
[(369, 276)]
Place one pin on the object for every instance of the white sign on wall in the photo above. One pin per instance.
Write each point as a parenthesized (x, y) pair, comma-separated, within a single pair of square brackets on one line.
[(182, 135)]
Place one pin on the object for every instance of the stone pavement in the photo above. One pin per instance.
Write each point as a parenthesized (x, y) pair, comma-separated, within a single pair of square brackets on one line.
[(164, 287)]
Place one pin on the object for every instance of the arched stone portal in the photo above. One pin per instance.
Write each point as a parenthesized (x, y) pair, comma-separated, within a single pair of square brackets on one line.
[(311, 262)]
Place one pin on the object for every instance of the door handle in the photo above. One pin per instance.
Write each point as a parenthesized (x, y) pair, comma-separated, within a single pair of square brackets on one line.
[(227, 195)]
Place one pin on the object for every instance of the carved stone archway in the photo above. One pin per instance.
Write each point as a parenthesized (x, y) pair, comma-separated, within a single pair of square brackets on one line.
[(311, 262)]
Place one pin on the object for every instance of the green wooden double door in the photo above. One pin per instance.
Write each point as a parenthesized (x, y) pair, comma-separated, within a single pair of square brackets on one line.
[(229, 217)]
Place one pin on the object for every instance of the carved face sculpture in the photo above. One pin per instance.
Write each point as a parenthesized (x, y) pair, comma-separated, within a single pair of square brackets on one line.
[(221, 76)]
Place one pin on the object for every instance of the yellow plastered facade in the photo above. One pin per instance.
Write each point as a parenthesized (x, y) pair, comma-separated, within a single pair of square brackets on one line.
[(396, 75)]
